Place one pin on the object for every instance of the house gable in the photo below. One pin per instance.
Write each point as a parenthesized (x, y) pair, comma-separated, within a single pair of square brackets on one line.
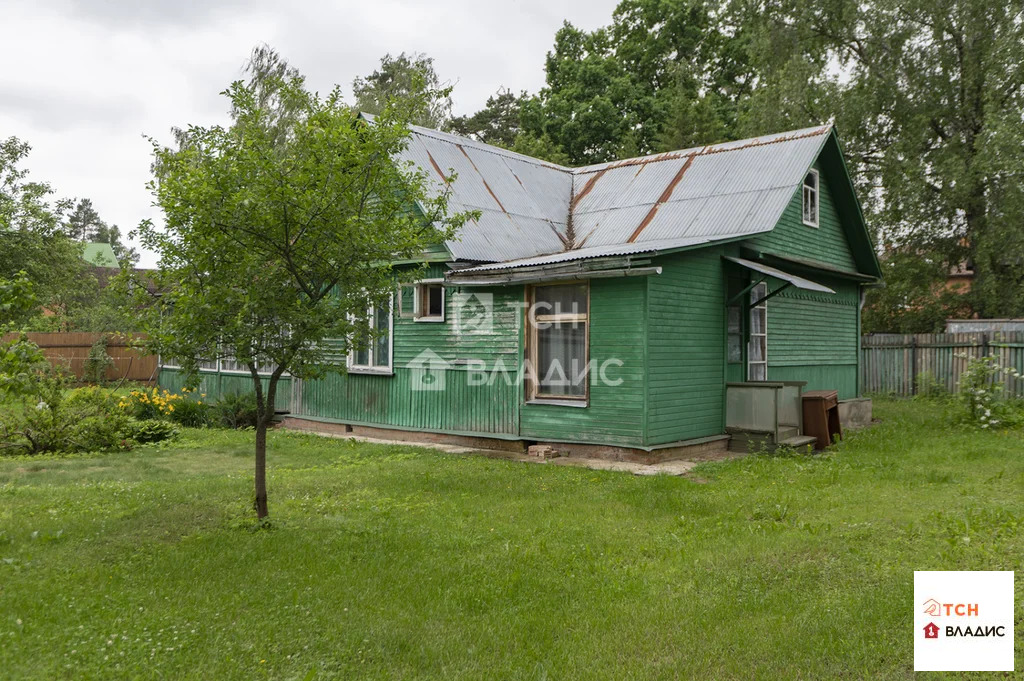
[(840, 242)]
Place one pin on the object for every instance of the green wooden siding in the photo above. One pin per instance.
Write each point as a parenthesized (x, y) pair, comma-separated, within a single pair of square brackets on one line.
[(686, 346), (216, 384), (813, 337), (826, 243), (460, 407), (615, 414), (393, 401)]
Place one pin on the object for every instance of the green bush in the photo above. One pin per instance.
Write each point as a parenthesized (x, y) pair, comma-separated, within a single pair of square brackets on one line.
[(191, 413), (236, 410), (982, 393), (929, 387), (97, 363), (149, 430)]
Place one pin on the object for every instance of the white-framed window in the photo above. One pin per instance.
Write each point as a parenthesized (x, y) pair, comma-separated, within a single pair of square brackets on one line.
[(810, 202), (232, 366), (428, 301), (208, 365), (757, 344), (374, 355), (558, 324)]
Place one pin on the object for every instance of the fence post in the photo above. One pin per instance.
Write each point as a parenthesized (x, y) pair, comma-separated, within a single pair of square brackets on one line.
[(913, 365)]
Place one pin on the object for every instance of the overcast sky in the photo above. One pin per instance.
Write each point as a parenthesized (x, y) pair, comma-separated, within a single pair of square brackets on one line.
[(84, 81)]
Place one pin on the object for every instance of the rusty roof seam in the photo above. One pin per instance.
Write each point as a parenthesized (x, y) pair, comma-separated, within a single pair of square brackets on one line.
[(665, 196)]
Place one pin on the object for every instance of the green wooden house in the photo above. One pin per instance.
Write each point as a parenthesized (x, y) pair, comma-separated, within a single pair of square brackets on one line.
[(613, 305)]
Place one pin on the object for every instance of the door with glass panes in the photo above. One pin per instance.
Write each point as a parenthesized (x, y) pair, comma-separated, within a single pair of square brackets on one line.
[(757, 334)]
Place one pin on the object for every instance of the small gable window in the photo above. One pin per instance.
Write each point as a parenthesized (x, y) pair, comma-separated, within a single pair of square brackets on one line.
[(428, 301), (811, 198)]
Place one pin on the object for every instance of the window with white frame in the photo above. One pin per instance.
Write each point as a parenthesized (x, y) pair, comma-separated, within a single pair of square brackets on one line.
[(372, 352), (233, 366), (428, 300), (557, 349), (811, 198), (757, 344)]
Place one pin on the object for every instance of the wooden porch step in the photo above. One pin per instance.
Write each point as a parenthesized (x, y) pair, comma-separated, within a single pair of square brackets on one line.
[(799, 441)]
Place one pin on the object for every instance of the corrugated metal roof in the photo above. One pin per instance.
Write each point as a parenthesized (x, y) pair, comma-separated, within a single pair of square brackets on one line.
[(532, 211)]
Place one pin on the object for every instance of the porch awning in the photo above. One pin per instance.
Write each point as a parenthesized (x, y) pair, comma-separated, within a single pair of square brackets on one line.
[(799, 282)]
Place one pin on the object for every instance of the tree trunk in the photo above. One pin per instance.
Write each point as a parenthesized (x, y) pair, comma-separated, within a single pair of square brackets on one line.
[(261, 468)]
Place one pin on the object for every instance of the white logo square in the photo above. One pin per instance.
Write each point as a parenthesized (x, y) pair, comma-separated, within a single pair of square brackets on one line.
[(963, 621)]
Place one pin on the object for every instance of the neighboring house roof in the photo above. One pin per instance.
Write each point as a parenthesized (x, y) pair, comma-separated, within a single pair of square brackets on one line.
[(533, 212), (99, 254)]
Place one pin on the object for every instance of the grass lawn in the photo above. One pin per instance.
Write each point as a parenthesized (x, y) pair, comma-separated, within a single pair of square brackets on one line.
[(397, 562)]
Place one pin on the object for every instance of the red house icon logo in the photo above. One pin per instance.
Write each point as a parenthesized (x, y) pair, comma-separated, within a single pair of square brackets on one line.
[(931, 630)]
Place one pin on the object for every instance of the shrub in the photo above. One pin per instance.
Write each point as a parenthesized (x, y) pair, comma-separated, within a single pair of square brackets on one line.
[(98, 361), (149, 430), (191, 413), (929, 387), (236, 410), (150, 404), (52, 419), (981, 392)]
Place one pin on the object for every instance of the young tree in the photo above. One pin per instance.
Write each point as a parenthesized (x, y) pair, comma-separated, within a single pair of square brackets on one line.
[(279, 231)]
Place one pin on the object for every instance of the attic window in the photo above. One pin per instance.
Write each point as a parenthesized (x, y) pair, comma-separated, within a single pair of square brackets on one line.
[(428, 301), (811, 198)]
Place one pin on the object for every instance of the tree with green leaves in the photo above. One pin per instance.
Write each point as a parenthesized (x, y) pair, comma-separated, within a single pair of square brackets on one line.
[(85, 224), (279, 231), (498, 123), (928, 96), (32, 239), (666, 74), (409, 77)]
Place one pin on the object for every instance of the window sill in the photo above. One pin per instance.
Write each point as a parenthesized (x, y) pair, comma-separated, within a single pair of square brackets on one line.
[(383, 371), (435, 320), (580, 404), (811, 224)]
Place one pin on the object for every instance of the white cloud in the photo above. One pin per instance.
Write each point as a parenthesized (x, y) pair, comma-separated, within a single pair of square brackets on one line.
[(84, 82)]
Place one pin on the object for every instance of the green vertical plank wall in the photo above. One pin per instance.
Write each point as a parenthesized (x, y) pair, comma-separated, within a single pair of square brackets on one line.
[(461, 406), (215, 384), (614, 414), (813, 337), (686, 353)]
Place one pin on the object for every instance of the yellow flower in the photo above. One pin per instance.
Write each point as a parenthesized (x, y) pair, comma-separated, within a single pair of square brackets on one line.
[(170, 408)]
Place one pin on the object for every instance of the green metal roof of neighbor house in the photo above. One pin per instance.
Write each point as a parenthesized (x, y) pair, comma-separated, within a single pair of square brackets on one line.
[(99, 254), (532, 211)]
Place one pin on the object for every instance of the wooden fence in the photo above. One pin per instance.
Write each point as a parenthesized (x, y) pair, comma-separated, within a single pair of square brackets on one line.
[(896, 364), (71, 350)]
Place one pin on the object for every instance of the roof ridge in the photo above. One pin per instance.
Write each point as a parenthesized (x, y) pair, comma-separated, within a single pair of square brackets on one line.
[(443, 136), (705, 150)]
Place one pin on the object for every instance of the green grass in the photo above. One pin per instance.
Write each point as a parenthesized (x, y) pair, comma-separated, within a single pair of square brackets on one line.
[(397, 562)]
